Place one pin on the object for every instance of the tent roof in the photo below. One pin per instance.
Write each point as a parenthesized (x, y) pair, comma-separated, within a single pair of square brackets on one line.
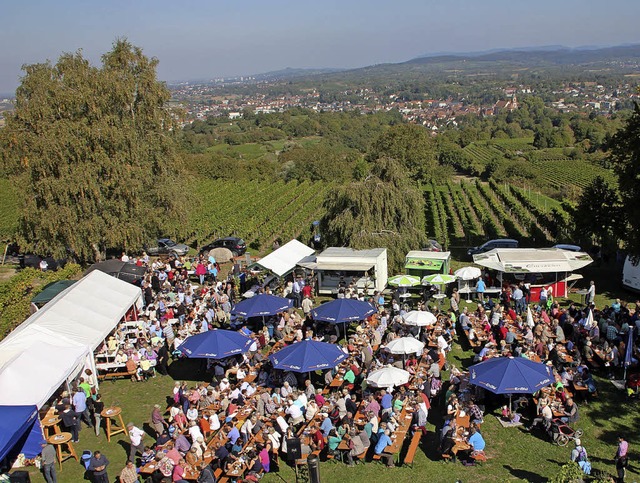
[(429, 255), (332, 253), (51, 290), (285, 258), (15, 424), (532, 260), (39, 355)]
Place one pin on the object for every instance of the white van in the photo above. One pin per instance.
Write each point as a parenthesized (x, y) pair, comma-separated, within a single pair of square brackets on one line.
[(631, 275)]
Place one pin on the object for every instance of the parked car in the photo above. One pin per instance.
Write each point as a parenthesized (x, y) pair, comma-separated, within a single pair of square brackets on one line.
[(571, 248), (166, 246), (432, 246), (491, 244), (236, 245)]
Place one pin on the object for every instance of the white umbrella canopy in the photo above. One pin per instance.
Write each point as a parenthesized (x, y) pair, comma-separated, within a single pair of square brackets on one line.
[(438, 279), (419, 318), (530, 321), (405, 345), (468, 273), (388, 376), (590, 321), (404, 281)]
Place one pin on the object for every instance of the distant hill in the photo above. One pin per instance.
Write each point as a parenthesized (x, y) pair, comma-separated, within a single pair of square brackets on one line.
[(542, 55), (291, 73)]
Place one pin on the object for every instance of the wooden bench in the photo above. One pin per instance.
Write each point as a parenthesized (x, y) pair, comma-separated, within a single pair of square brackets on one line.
[(446, 457), (116, 375), (413, 447)]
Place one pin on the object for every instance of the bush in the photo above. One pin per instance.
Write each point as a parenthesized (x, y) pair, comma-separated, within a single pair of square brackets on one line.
[(17, 292), (569, 473)]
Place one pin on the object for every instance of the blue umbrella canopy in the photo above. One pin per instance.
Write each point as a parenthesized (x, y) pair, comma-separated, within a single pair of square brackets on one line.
[(509, 375), (341, 311), (307, 356), (261, 305), (215, 344)]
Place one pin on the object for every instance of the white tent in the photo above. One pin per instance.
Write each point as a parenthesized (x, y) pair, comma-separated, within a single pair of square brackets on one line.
[(285, 258), (57, 341), (84, 313)]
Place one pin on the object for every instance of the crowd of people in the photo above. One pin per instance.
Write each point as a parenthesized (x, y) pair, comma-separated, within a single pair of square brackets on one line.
[(248, 418)]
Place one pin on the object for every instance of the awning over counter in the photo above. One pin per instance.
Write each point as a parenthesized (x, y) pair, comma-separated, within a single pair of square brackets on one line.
[(532, 260)]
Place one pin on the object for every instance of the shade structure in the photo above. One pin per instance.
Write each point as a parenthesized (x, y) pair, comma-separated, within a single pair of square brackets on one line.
[(20, 431), (215, 344), (388, 376), (261, 306), (404, 281), (405, 345), (468, 273), (509, 375), (530, 321), (438, 279), (590, 322), (419, 318), (341, 311), (307, 356), (129, 272)]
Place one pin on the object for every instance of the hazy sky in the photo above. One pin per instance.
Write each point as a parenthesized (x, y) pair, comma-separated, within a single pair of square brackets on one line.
[(211, 38)]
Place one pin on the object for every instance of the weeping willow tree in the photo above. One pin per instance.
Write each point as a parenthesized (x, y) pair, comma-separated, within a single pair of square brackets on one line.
[(92, 151), (385, 210)]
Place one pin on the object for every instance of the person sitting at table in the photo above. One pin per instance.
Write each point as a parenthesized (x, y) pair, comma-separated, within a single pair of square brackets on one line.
[(475, 413), (148, 455), (447, 437), (477, 443), (570, 412), (312, 410), (333, 440), (545, 416), (384, 440)]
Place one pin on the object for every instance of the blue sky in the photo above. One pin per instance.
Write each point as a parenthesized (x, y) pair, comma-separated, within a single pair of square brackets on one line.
[(196, 39)]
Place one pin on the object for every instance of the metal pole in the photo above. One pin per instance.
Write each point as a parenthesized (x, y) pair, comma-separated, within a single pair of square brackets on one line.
[(313, 462)]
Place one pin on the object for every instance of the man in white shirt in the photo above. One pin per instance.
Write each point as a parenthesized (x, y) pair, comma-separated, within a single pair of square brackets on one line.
[(295, 414), (135, 438)]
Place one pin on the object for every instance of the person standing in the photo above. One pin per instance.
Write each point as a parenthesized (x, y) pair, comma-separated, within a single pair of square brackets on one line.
[(480, 288), (135, 438), (98, 407), (98, 466), (71, 422), (128, 473), (49, 463), (157, 421), (591, 294), (80, 406), (621, 457)]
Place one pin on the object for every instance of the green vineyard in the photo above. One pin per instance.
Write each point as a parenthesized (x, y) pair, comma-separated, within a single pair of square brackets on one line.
[(260, 212), (469, 212)]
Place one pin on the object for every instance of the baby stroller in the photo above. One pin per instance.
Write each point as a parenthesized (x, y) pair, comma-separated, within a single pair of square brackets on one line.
[(561, 433)]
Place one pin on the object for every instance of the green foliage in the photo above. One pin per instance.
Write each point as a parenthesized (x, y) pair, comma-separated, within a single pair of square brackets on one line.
[(94, 150), (384, 210), (411, 145), (9, 210), (320, 162), (17, 292), (598, 214), (569, 473), (625, 153)]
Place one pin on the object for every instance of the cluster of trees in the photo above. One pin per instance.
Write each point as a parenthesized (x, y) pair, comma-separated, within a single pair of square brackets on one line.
[(93, 151)]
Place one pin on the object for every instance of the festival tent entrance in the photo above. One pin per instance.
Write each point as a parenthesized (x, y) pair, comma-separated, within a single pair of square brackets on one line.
[(20, 432), (54, 344)]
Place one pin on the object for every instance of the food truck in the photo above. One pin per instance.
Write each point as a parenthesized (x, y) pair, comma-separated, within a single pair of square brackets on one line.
[(422, 263)]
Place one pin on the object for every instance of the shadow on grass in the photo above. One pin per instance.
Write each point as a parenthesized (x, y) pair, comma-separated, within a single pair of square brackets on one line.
[(525, 475)]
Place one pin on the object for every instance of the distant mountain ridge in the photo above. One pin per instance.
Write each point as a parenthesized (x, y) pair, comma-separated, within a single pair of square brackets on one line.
[(550, 54)]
